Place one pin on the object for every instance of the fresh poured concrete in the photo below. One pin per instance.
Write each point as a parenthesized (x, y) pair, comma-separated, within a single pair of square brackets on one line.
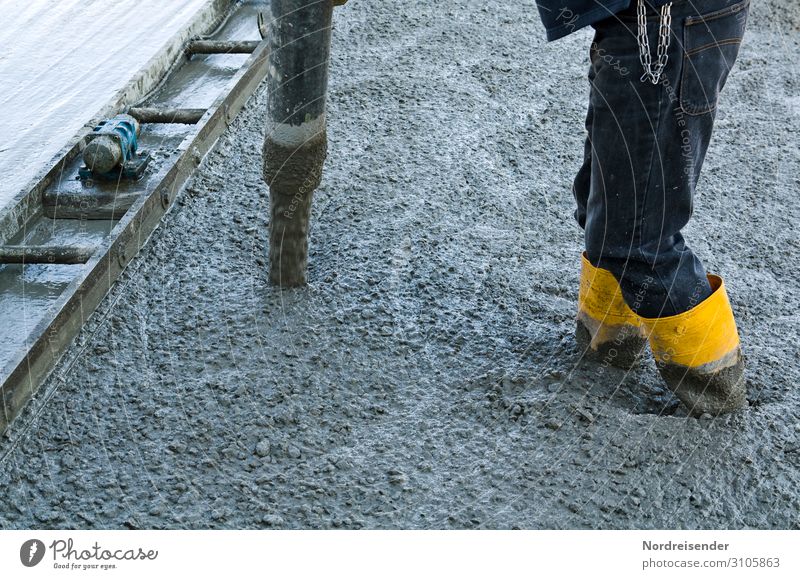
[(428, 375)]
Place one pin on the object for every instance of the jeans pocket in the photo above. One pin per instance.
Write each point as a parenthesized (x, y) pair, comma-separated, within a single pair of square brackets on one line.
[(710, 46)]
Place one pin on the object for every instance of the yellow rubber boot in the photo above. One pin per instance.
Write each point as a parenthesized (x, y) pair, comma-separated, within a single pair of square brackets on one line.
[(699, 356), (607, 329)]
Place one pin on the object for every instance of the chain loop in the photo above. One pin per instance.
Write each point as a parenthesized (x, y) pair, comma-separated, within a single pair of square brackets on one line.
[(653, 73)]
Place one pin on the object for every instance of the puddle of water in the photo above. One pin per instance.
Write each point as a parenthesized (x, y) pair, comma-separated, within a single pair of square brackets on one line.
[(28, 290), (202, 79), (199, 81), (65, 232)]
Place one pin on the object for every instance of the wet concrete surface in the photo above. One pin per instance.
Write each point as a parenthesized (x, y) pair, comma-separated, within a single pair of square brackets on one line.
[(427, 377)]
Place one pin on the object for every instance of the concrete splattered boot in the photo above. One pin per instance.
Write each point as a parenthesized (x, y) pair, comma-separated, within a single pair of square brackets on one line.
[(699, 356), (607, 329)]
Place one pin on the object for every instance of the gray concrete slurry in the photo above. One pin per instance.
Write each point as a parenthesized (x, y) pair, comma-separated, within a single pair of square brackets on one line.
[(428, 375)]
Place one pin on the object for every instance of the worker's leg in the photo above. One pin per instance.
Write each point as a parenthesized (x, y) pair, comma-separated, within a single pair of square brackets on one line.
[(636, 205), (582, 183), (647, 144), (607, 329)]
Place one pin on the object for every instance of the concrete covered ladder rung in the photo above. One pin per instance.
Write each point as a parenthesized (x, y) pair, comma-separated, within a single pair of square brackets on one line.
[(221, 46), (46, 254), (167, 115)]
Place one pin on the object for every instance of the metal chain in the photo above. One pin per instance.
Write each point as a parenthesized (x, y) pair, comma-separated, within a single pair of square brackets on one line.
[(653, 73)]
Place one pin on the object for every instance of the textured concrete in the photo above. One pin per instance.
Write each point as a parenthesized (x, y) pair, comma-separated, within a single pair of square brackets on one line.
[(428, 375)]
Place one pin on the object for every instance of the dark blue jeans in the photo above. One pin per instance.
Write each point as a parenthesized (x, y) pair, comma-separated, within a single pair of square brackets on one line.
[(645, 147)]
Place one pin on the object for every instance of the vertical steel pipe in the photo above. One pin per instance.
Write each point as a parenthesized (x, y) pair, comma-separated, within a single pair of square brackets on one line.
[(295, 143)]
